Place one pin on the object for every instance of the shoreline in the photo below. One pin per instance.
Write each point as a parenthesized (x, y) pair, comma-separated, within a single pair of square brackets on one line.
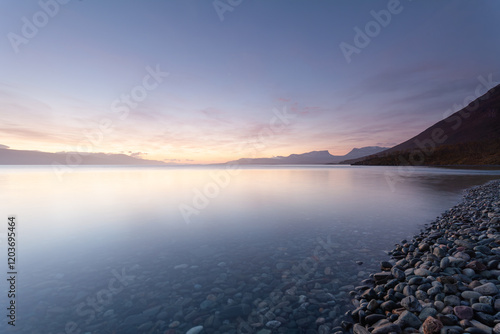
[(445, 280)]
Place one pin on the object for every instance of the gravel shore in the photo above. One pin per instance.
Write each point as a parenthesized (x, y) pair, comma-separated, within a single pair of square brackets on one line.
[(445, 280)]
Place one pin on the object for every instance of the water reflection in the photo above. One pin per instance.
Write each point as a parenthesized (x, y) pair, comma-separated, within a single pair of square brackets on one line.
[(73, 233)]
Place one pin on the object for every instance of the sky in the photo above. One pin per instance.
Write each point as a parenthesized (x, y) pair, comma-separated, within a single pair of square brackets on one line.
[(212, 81)]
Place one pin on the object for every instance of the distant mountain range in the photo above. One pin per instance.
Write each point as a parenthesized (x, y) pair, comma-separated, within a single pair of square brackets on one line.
[(25, 157), (314, 157), (470, 136), (22, 157)]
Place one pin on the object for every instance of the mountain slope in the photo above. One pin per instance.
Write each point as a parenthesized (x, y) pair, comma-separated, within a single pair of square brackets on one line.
[(21, 157), (314, 157), (470, 136)]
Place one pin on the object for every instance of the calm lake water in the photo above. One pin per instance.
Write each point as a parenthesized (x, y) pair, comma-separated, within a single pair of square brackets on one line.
[(134, 249)]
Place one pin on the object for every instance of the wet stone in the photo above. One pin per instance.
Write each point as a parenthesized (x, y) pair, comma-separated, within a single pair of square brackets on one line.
[(273, 324), (387, 328), (427, 312), (463, 312), (480, 307), (408, 319), (471, 295), (432, 325), (411, 303), (452, 300), (487, 289)]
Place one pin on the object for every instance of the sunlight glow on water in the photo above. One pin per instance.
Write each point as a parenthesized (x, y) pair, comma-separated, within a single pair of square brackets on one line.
[(100, 218)]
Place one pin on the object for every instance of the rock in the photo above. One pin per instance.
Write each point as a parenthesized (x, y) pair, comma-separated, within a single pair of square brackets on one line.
[(439, 252), (421, 295), (358, 329), (372, 305), (463, 312), (475, 330), (417, 280), (373, 318), (369, 294), (432, 325), (385, 266), (484, 318), (448, 319), (388, 305), (195, 330), (324, 329), (445, 262), (422, 272), (408, 319), (411, 303), (476, 266), (452, 300), (264, 331), (480, 307), (174, 324), (487, 300), (207, 304), (387, 328), (273, 324), (451, 330), (423, 247), (462, 255), (484, 328), (382, 277), (482, 249), (398, 273), (427, 312), (497, 305), (468, 272), (439, 305), (488, 289), (446, 276), (471, 295), (464, 244)]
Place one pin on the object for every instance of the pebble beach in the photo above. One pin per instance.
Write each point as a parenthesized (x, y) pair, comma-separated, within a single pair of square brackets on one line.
[(444, 280)]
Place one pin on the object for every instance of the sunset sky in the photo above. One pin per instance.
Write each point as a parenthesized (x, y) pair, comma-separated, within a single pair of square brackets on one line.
[(211, 81)]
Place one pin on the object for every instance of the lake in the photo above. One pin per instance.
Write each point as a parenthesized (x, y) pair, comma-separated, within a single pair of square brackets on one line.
[(157, 249)]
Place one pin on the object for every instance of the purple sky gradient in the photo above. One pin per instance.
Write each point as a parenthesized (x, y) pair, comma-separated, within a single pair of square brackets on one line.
[(227, 79)]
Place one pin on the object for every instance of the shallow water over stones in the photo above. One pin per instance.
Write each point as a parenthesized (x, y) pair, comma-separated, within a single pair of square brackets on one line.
[(286, 264)]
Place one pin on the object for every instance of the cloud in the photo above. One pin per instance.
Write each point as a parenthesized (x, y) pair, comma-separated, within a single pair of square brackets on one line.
[(216, 114), (136, 154)]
